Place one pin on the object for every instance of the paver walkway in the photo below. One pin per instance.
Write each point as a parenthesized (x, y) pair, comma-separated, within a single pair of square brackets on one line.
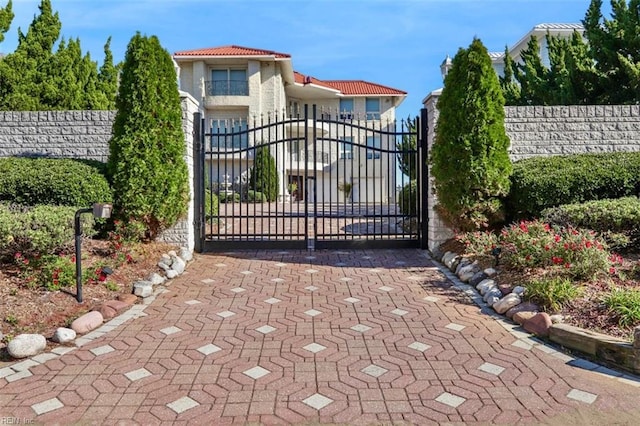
[(356, 337)]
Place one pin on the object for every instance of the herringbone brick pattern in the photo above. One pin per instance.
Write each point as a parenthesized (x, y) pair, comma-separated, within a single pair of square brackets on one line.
[(355, 337)]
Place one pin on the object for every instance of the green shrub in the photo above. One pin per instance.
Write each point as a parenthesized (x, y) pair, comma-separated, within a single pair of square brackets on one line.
[(470, 160), (256, 197), (211, 203), (146, 162), (264, 174), (625, 306), (541, 183), (408, 199), (63, 182), (229, 198), (39, 230), (551, 293)]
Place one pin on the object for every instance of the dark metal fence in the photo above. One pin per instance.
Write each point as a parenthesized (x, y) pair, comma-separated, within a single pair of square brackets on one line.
[(310, 181)]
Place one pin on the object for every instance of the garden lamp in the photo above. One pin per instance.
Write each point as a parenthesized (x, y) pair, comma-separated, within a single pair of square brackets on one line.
[(100, 211)]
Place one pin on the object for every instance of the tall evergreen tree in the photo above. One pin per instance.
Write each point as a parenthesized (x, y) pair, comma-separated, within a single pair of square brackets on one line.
[(146, 162), (264, 174), (408, 147), (6, 16), (531, 74), (510, 87), (108, 76), (470, 162)]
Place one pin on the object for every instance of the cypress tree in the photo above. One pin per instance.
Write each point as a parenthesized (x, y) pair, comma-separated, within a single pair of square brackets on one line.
[(264, 174), (146, 164), (6, 16), (108, 77), (510, 88), (470, 162)]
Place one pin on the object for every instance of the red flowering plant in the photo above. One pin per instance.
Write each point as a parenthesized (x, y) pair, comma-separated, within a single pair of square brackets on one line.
[(120, 244), (50, 271), (578, 253)]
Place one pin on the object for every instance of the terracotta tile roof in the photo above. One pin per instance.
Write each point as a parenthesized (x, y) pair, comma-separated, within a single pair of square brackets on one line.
[(231, 50), (349, 87)]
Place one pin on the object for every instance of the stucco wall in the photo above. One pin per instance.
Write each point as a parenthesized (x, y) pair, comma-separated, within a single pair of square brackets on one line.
[(75, 134)]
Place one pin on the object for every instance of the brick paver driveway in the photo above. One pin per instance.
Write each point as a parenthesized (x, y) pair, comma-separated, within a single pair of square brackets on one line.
[(355, 337)]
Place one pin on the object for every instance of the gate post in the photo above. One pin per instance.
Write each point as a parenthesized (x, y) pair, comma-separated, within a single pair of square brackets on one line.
[(423, 168), (198, 180)]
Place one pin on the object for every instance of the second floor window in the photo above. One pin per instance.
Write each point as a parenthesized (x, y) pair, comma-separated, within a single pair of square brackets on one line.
[(228, 82), (346, 109), (372, 106), (373, 142), (346, 149), (229, 134)]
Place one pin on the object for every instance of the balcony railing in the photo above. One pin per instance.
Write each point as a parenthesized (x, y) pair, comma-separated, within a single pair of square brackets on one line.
[(226, 88), (320, 157)]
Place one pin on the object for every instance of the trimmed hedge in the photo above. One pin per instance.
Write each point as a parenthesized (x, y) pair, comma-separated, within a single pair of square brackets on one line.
[(256, 197), (408, 199), (63, 182), (38, 230), (211, 204), (541, 183)]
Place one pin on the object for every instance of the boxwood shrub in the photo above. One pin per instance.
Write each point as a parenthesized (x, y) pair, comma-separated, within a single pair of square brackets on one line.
[(256, 197), (540, 183), (609, 217), (63, 182), (408, 199), (38, 230)]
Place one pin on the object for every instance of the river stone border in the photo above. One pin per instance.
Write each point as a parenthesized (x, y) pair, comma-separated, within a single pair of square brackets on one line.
[(20, 369), (606, 349)]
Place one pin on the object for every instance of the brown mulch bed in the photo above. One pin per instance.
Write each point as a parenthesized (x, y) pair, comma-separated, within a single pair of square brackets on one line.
[(587, 311), (27, 309)]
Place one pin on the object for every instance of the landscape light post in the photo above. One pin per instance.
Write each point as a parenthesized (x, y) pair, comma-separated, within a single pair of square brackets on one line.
[(99, 210)]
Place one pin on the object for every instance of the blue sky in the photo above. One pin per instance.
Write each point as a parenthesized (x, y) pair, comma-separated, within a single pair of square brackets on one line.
[(398, 43)]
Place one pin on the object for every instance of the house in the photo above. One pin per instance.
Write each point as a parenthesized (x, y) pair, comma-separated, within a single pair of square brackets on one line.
[(540, 31), (241, 88)]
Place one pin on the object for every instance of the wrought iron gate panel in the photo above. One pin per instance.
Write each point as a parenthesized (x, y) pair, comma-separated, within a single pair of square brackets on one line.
[(338, 183)]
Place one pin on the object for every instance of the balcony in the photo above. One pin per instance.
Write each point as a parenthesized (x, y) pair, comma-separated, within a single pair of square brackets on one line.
[(226, 93)]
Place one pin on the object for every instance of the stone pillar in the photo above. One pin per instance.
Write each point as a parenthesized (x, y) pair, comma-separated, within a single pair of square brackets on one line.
[(437, 232), (183, 232)]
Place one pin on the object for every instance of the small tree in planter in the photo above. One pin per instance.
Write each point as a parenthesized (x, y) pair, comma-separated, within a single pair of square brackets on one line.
[(345, 187), (264, 174), (470, 161), (146, 163)]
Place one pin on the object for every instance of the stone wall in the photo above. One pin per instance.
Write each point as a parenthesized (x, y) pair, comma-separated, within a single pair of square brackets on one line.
[(542, 131), (72, 134), (556, 130), (86, 135)]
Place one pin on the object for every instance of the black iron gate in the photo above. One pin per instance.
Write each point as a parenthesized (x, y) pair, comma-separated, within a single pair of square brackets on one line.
[(310, 181)]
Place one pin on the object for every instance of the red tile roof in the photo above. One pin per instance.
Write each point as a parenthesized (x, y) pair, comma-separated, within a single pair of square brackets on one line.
[(231, 51), (349, 87)]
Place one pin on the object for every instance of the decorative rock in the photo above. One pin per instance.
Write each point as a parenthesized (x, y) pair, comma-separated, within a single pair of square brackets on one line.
[(118, 305), (465, 273), (172, 253), (166, 258), (522, 316), (492, 300), (519, 290), (557, 318), (178, 265), (447, 256), (454, 263), (636, 338), (164, 266), (171, 274), (451, 261), (477, 278), (107, 311), (185, 254), (156, 279), (436, 253), (490, 272), (87, 322), (143, 288), (506, 303), (464, 262), (505, 289), (523, 307), (64, 335), (492, 292), (129, 299), (26, 345), (485, 285), (538, 324)]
